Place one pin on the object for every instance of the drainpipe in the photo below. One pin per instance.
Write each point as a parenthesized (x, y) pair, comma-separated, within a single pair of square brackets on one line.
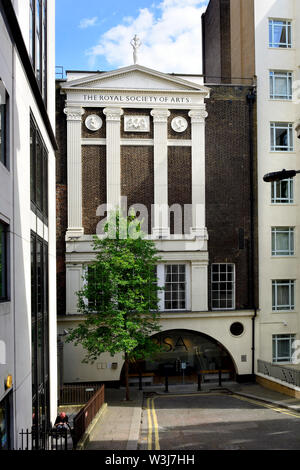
[(251, 97)]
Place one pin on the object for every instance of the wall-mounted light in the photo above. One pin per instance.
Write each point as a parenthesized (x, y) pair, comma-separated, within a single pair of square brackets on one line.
[(8, 382)]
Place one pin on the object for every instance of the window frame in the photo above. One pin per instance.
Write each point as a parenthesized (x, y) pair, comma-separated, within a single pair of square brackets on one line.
[(38, 43), (4, 239), (290, 337), (38, 182), (161, 279), (288, 75), (290, 190), (290, 231), (219, 281), (289, 127), (290, 283), (4, 124), (287, 24)]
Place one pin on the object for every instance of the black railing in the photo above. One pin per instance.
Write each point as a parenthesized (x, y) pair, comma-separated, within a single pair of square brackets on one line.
[(283, 373), (53, 439)]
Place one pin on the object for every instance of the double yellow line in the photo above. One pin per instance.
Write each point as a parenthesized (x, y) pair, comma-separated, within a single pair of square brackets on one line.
[(153, 434), (152, 425)]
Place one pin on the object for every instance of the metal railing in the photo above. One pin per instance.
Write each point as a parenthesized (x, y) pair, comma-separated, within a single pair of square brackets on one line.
[(283, 373), (52, 439), (77, 394), (86, 415)]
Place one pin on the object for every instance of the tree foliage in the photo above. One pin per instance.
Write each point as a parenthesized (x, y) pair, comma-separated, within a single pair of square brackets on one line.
[(119, 297)]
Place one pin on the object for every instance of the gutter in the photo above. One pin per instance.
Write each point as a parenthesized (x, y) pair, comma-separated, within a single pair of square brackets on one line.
[(251, 98)]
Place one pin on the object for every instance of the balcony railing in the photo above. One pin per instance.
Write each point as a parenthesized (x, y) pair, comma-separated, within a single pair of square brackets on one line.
[(276, 371)]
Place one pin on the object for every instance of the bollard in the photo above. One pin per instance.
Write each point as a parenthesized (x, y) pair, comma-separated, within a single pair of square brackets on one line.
[(166, 384), (140, 382), (199, 382), (220, 378)]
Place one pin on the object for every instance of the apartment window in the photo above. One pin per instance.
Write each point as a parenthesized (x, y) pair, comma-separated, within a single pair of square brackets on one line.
[(38, 173), (282, 137), (38, 42), (280, 33), (283, 295), (283, 348), (223, 286), (282, 192), (282, 241), (3, 262), (280, 85)]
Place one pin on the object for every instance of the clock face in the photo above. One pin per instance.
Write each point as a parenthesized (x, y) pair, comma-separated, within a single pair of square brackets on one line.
[(93, 122), (179, 124)]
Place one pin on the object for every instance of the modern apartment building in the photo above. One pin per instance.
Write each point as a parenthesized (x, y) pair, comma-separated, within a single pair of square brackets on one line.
[(179, 152), (28, 385), (271, 51)]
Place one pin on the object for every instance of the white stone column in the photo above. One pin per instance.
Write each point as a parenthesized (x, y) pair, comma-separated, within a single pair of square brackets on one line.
[(198, 173), (161, 227), (113, 157), (74, 115)]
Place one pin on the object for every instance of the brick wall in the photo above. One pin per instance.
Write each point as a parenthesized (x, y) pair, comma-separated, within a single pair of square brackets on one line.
[(228, 208)]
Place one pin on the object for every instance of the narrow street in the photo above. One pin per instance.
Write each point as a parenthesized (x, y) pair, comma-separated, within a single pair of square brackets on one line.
[(216, 421)]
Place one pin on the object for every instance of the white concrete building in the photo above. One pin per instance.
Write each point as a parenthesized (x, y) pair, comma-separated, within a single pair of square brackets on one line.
[(28, 384), (277, 58)]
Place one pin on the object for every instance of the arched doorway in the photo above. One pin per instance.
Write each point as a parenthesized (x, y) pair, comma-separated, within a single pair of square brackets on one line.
[(184, 353)]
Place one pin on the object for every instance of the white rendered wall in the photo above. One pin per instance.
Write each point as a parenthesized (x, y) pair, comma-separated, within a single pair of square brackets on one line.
[(15, 316), (275, 215)]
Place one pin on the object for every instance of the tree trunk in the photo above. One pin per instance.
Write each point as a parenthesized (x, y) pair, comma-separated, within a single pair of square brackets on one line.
[(126, 377)]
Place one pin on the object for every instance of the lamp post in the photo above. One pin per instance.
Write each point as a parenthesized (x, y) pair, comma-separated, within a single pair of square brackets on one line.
[(280, 175)]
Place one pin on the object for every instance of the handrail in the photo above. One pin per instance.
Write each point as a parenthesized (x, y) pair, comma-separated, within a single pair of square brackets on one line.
[(86, 415)]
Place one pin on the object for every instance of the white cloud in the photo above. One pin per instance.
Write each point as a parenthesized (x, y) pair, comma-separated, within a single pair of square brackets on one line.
[(170, 35), (87, 22)]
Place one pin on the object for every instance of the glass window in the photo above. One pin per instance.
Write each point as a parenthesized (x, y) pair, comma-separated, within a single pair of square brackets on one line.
[(282, 137), (283, 295), (280, 33), (283, 348), (3, 124), (3, 262), (282, 192), (282, 241), (37, 41), (281, 85), (223, 286), (38, 173), (175, 287)]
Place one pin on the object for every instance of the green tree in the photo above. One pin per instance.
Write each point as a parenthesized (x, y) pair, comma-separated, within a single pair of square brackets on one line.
[(119, 298)]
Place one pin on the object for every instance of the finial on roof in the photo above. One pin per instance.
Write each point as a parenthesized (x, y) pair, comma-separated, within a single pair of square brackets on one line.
[(136, 43)]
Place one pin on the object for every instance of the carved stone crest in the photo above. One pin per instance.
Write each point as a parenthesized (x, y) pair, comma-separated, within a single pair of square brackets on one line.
[(93, 122), (179, 124), (136, 124)]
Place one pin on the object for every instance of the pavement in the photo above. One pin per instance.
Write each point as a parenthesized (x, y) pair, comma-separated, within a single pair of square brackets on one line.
[(119, 427)]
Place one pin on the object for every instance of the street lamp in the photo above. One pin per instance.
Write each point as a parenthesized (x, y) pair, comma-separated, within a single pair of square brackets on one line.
[(280, 175)]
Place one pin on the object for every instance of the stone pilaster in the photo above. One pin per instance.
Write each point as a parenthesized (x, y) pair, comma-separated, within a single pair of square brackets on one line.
[(198, 172), (113, 157), (161, 211), (74, 115)]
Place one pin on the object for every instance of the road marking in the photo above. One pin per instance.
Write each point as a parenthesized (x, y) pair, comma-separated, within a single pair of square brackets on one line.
[(149, 425), (152, 416)]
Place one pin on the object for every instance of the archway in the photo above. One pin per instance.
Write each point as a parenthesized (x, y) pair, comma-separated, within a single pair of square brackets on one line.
[(184, 354)]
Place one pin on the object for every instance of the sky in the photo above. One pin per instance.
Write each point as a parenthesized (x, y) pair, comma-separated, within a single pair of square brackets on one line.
[(96, 34)]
